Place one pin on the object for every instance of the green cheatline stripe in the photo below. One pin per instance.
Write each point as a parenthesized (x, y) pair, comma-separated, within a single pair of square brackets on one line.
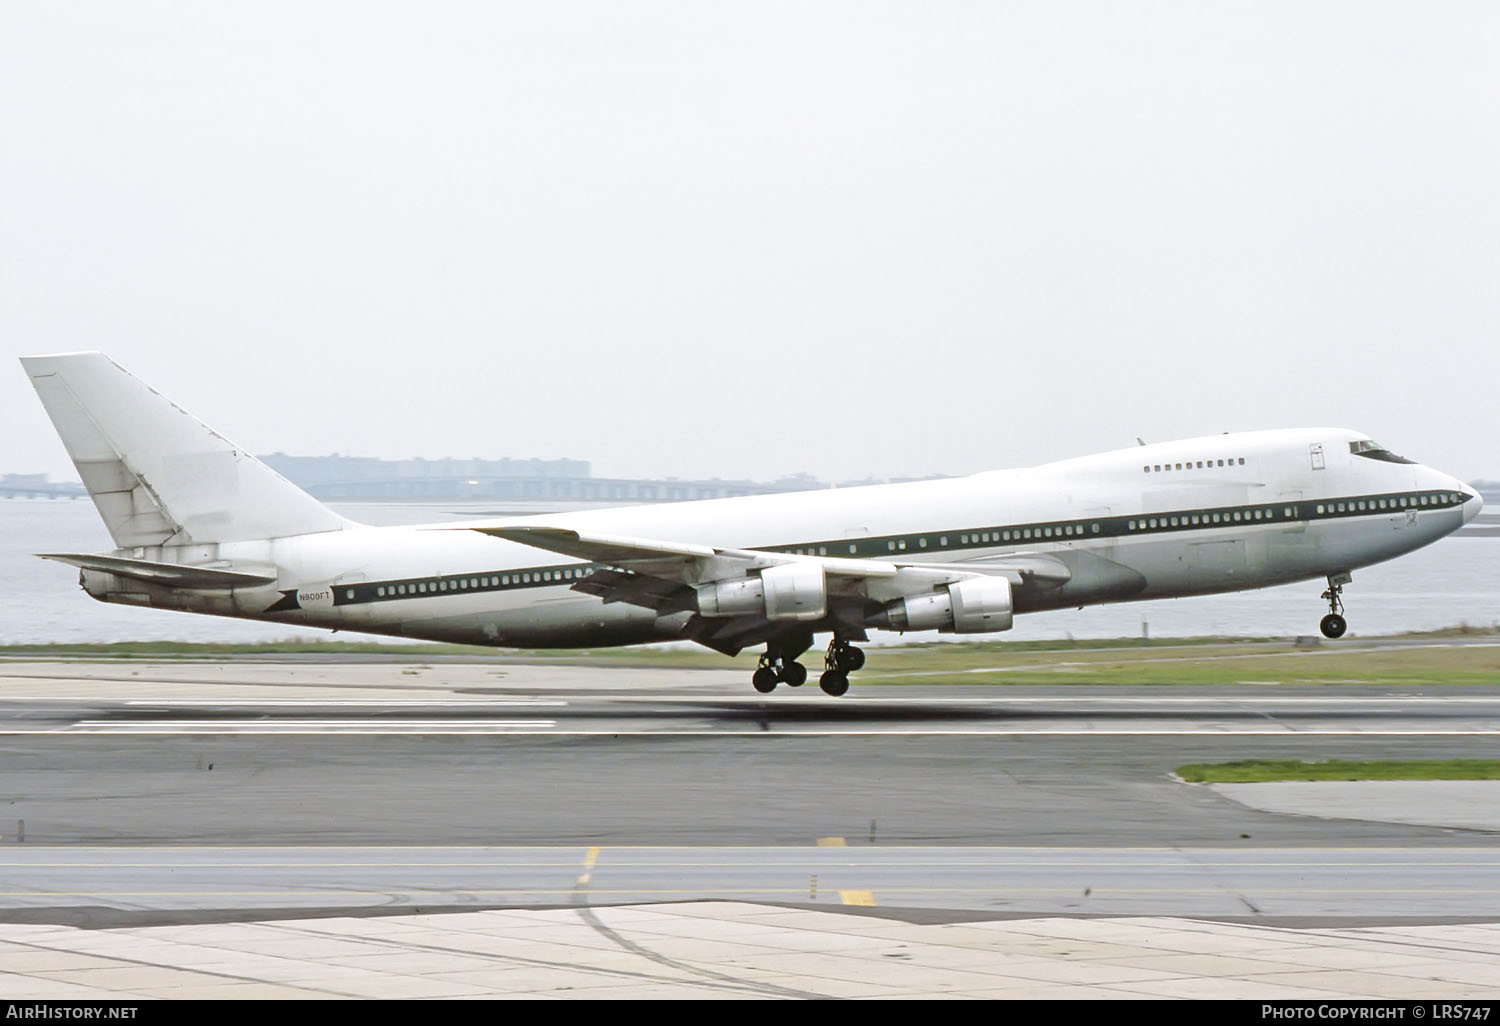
[(1257, 770), (932, 543)]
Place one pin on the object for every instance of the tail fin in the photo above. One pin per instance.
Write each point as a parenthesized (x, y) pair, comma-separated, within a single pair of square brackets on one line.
[(158, 475)]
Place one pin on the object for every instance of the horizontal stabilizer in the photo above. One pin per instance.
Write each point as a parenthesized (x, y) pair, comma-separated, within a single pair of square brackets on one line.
[(172, 575)]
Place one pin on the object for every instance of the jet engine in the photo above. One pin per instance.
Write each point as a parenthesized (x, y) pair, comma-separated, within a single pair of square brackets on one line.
[(974, 605), (790, 591)]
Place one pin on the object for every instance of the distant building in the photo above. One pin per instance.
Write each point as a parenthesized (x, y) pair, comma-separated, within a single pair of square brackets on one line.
[(338, 478), (36, 486)]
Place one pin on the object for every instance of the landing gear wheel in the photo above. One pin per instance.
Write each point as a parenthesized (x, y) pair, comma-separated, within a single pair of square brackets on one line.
[(841, 660), (764, 680), (794, 675), (834, 682), (1334, 625)]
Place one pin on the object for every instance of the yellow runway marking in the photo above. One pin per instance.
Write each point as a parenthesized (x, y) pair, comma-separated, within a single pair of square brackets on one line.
[(589, 858), (857, 897), (832, 842)]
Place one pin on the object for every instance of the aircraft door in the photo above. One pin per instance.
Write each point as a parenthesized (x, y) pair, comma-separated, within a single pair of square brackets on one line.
[(354, 607), (1291, 549)]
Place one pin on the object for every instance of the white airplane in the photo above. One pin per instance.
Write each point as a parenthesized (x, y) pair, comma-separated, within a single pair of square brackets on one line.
[(202, 526)]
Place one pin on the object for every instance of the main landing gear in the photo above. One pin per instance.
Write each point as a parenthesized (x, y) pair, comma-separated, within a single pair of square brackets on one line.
[(778, 665), (841, 660), (1334, 625), (772, 671)]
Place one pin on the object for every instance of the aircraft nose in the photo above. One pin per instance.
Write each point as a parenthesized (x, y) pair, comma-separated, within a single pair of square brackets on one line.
[(1472, 503)]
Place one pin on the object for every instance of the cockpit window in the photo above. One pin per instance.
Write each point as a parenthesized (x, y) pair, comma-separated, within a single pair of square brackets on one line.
[(1376, 451)]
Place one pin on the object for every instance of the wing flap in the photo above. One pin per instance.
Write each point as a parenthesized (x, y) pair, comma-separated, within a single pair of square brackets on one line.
[(664, 596)]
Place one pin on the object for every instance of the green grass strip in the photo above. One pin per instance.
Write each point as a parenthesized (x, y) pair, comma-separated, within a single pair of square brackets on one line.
[(1261, 770)]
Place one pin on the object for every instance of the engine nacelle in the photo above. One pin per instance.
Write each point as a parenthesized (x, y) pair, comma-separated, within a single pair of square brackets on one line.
[(744, 597), (791, 591), (974, 605)]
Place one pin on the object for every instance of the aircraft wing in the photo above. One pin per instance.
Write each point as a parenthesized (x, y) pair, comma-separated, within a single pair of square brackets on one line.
[(693, 563), (602, 548), (671, 577), (697, 564)]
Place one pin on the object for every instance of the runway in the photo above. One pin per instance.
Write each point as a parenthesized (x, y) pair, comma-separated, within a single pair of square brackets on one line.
[(156, 796), (246, 754), (432, 700)]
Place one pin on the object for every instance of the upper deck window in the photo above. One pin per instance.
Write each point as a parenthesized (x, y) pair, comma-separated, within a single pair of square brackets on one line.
[(1375, 451)]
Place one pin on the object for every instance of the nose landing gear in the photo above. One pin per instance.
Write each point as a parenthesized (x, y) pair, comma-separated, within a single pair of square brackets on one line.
[(1334, 625)]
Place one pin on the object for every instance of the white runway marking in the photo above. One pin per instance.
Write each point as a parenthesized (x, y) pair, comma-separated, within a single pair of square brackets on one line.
[(370, 703), (1004, 700), (548, 728), (314, 727), (1265, 714), (277, 703)]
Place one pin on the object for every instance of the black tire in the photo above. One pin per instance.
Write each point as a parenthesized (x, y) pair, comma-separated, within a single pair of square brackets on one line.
[(853, 661), (1333, 626), (764, 680), (794, 675), (834, 682)]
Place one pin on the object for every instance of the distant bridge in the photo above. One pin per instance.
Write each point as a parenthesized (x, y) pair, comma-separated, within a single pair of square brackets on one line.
[(45, 490)]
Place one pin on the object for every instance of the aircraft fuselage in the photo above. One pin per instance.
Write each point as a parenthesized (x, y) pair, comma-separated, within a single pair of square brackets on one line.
[(1215, 514)]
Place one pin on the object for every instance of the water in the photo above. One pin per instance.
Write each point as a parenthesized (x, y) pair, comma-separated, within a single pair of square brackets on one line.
[(1456, 581)]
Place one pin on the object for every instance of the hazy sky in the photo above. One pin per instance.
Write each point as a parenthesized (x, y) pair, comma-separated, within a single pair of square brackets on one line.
[(748, 239)]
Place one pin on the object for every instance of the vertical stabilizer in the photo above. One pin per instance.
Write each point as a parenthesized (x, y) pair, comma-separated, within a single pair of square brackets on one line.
[(158, 475)]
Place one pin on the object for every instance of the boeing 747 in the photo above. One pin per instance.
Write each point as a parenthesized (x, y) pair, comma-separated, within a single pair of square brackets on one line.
[(202, 526)]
